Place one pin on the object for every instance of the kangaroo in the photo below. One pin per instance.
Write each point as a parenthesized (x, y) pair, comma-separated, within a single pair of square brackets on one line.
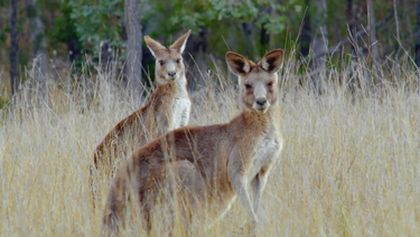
[(167, 108), (215, 163)]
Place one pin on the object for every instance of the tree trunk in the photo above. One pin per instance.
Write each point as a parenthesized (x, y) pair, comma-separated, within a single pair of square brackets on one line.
[(264, 39), (39, 72), (265, 36), (247, 32), (417, 48), (14, 74), (37, 35), (134, 46), (105, 55), (373, 43), (199, 45), (357, 52), (305, 38), (351, 21), (397, 21), (319, 43)]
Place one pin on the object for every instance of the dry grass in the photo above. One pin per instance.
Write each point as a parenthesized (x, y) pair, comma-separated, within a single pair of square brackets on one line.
[(350, 167)]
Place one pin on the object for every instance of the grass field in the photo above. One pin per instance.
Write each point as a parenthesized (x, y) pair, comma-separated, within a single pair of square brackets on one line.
[(350, 165)]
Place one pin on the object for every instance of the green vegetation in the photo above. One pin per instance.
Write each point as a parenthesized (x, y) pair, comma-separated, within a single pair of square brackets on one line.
[(250, 26)]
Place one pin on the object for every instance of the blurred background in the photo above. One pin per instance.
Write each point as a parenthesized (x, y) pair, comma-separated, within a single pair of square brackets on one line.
[(43, 39)]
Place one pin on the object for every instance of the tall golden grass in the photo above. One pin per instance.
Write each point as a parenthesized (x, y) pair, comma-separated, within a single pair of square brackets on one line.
[(350, 165)]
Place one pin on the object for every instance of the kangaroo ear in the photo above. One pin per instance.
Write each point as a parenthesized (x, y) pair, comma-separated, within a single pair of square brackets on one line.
[(179, 44), (154, 46), (238, 64), (272, 60)]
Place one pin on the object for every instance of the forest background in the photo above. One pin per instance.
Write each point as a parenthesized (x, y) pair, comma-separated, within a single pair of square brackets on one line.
[(39, 38)]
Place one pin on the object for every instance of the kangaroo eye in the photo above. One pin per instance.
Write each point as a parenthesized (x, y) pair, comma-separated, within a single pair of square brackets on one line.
[(178, 60), (161, 62), (248, 86), (270, 84)]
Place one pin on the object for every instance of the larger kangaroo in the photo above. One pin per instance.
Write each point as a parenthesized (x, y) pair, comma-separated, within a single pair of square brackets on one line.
[(214, 163), (167, 108)]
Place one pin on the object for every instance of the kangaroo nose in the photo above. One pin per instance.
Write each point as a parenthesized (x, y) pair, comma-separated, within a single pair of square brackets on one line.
[(171, 74), (261, 101)]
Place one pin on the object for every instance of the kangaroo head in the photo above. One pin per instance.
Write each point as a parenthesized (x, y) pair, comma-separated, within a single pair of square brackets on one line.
[(169, 64), (257, 81)]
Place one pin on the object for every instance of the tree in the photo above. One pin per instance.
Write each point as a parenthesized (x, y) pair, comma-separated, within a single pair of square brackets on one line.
[(14, 74), (134, 45), (319, 41), (305, 37), (351, 22), (319, 45), (417, 47), (397, 21), (39, 69), (95, 22), (37, 35), (373, 44)]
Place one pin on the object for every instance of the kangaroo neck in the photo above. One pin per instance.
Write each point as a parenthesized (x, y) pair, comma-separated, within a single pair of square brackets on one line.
[(251, 123), (254, 119), (177, 87), (181, 86)]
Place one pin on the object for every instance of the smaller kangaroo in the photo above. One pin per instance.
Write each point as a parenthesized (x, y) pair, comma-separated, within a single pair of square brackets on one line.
[(167, 108), (209, 164)]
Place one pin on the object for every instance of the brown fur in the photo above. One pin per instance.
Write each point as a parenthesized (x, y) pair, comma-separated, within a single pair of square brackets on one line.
[(224, 160), (154, 118), (167, 108), (145, 117)]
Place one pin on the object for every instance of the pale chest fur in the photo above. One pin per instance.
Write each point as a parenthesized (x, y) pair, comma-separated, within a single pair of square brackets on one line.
[(181, 108), (265, 152)]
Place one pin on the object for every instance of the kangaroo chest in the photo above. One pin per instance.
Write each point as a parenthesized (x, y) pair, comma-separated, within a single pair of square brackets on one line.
[(180, 112), (265, 153)]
